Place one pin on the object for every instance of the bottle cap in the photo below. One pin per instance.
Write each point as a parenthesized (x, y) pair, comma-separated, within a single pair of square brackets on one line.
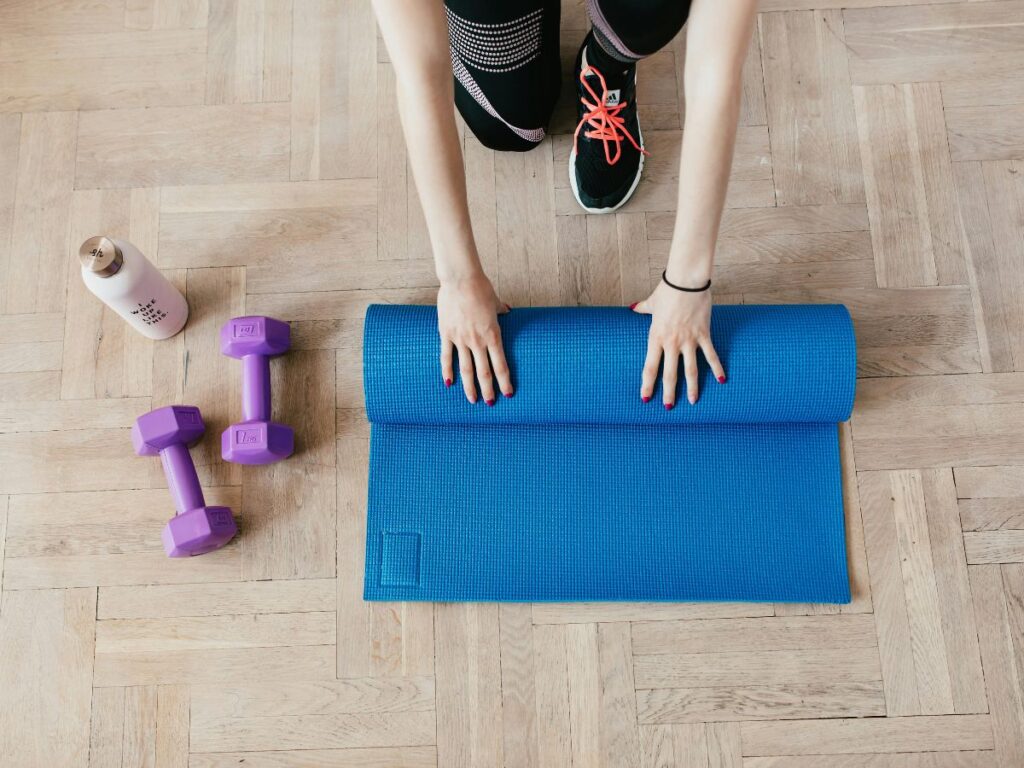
[(101, 256)]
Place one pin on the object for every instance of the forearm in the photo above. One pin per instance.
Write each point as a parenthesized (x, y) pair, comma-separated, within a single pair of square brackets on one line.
[(417, 42), (719, 36), (436, 159), (705, 161)]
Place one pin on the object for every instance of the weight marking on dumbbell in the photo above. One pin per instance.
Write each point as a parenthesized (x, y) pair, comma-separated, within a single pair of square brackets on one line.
[(247, 436), (249, 329)]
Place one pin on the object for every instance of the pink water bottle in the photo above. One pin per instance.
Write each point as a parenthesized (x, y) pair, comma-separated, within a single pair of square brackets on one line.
[(123, 279)]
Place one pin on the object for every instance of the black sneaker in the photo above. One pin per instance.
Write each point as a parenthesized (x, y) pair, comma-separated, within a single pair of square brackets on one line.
[(608, 148)]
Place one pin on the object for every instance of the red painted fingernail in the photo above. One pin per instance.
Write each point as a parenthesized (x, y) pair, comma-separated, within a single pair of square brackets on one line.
[(633, 305), (721, 379), (508, 394), (490, 402), (646, 399), (447, 382), (669, 406)]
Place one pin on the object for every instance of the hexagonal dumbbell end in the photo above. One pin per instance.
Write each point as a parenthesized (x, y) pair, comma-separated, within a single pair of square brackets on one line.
[(170, 425), (255, 335), (198, 531), (257, 442)]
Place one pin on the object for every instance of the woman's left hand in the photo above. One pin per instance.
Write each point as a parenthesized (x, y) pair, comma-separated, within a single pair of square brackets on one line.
[(680, 325)]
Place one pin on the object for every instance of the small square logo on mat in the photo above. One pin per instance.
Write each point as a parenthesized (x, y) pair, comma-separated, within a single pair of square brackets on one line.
[(400, 559)]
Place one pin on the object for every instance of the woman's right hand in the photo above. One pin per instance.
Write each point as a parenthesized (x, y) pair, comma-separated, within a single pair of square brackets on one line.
[(467, 319)]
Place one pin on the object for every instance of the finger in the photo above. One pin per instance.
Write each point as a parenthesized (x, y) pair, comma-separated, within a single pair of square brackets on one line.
[(712, 357), (500, 367), (447, 369), (690, 370), (669, 378), (650, 374), (640, 308), (466, 373), (506, 308), (483, 374)]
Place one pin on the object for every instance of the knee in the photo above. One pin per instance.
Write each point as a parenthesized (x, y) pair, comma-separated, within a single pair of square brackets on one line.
[(641, 26), (492, 132), (501, 139)]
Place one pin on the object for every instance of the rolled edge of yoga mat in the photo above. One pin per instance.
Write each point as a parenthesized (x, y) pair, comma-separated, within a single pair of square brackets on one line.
[(784, 363)]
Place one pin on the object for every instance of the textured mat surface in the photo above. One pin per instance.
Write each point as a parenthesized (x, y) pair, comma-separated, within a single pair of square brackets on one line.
[(575, 490)]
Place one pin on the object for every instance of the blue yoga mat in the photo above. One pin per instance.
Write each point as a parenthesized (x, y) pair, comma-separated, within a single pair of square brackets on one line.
[(575, 490)]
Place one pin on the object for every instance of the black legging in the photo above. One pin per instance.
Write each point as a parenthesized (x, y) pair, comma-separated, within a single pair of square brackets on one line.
[(505, 57)]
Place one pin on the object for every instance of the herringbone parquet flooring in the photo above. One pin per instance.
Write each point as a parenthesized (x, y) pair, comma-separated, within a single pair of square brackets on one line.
[(252, 149)]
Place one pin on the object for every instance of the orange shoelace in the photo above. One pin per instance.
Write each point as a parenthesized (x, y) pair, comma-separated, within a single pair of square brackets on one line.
[(604, 120)]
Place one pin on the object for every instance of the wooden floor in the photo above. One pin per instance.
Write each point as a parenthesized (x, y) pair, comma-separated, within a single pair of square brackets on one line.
[(251, 148)]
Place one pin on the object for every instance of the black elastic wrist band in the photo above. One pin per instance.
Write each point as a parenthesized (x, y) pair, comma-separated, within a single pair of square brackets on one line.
[(687, 290)]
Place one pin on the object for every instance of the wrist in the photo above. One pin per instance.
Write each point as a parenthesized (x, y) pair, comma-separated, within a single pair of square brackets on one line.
[(450, 277), (691, 267), (459, 264), (688, 276)]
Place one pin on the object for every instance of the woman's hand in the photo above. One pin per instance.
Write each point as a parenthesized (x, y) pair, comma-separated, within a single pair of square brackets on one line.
[(680, 325), (467, 319)]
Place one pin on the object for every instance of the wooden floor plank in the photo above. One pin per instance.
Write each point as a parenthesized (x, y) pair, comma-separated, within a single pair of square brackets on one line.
[(468, 668), (551, 662), (765, 702), (518, 685), (253, 151), (39, 233), (683, 670), (257, 630), (333, 134), (248, 52), (103, 70), (810, 108), (370, 757), (991, 197), (990, 498), (934, 42), (46, 718), (176, 600), (959, 759), (909, 183), (999, 625), (298, 662), (866, 736), (183, 145), (665, 746), (527, 261)]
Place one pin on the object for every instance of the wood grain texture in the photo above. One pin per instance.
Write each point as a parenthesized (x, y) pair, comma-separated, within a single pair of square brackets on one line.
[(991, 197), (253, 151), (47, 721), (810, 108), (909, 184)]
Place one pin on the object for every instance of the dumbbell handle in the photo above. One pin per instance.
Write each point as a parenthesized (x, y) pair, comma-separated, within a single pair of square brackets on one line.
[(256, 388), (182, 478)]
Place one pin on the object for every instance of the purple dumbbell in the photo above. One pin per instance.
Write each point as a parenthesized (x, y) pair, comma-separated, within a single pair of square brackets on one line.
[(257, 439), (196, 528)]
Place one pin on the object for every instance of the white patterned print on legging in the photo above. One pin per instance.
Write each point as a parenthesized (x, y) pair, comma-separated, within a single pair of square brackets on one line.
[(495, 48)]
